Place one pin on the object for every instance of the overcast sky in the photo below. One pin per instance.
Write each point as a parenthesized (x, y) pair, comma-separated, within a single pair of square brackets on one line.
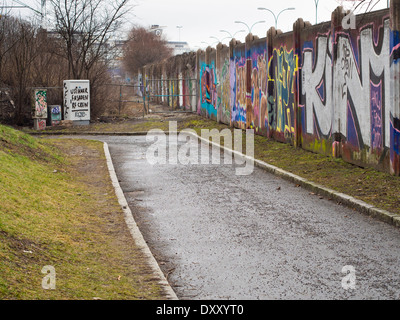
[(203, 19)]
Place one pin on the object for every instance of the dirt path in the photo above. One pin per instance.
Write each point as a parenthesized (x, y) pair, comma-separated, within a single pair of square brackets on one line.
[(117, 249)]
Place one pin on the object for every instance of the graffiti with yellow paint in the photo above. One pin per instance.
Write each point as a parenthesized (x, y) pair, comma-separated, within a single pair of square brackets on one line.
[(282, 75), (258, 55)]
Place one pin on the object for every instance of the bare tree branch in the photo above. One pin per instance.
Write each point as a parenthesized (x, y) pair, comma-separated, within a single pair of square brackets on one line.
[(86, 26)]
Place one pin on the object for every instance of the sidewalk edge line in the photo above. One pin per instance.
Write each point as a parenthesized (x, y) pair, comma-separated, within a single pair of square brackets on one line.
[(348, 201), (134, 229)]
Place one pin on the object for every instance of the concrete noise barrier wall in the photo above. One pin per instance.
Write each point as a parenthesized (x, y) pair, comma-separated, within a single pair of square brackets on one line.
[(331, 88)]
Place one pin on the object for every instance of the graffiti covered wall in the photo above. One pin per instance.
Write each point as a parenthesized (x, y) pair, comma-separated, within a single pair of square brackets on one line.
[(257, 57), (325, 88), (238, 82), (224, 102), (315, 92), (282, 82), (208, 85)]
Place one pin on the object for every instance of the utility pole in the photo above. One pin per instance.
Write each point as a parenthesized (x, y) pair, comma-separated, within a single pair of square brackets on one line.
[(22, 5)]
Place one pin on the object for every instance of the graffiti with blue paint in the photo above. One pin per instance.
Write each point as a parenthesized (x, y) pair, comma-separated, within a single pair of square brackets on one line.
[(282, 75), (208, 90), (238, 87)]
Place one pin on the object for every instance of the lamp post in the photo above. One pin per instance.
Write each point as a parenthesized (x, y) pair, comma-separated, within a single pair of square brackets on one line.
[(250, 28), (276, 16), (316, 11), (230, 34), (219, 41), (22, 5), (179, 27)]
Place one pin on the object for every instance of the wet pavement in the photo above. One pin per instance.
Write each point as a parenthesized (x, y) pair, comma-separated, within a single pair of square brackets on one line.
[(221, 236)]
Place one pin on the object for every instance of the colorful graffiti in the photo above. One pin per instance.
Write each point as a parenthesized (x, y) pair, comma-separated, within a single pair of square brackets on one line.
[(56, 115), (224, 102), (322, 88), (395, 116), (316, 99), (40, 103), (258, 80), (239, 108), (39, 124), (282, 75), (362, 75), (345, 95), (208, 90)]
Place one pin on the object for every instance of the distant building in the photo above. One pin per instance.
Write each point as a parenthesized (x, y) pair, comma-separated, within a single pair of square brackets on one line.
[(158, 30), (179, 47), (113, 56)]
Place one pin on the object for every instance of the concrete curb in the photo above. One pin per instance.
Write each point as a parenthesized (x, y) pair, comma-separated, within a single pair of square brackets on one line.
[(76, 133), (351, 202), (134, 230)]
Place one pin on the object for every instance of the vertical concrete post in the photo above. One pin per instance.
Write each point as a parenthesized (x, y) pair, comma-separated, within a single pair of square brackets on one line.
[(182, 88), (249, 69), (395, 87), (156, 83), (163, 78), (159, 87), (339, 124), (271, 34), (175, 99), (193, 82), (298, 27), (232, 44), (178, 82), (151, 82), (219, 66), (198, 80), (39, 106), (143, 89), (208, 79)]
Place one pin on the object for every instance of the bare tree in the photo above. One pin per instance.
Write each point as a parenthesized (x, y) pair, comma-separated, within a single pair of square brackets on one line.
[(86, 27), (144, 47), (17, 72), (8, 39)]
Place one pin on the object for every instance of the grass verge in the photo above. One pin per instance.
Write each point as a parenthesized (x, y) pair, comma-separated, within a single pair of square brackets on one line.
[(58, 208)]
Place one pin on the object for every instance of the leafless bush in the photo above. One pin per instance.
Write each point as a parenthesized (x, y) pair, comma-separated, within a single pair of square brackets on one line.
[(144, 47)]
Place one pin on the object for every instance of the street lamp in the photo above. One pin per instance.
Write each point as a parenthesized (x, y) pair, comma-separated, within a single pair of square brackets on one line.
[(250, 28), (316, 11), (219, 41), (230, 34), (179, 27), (277, 16)]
